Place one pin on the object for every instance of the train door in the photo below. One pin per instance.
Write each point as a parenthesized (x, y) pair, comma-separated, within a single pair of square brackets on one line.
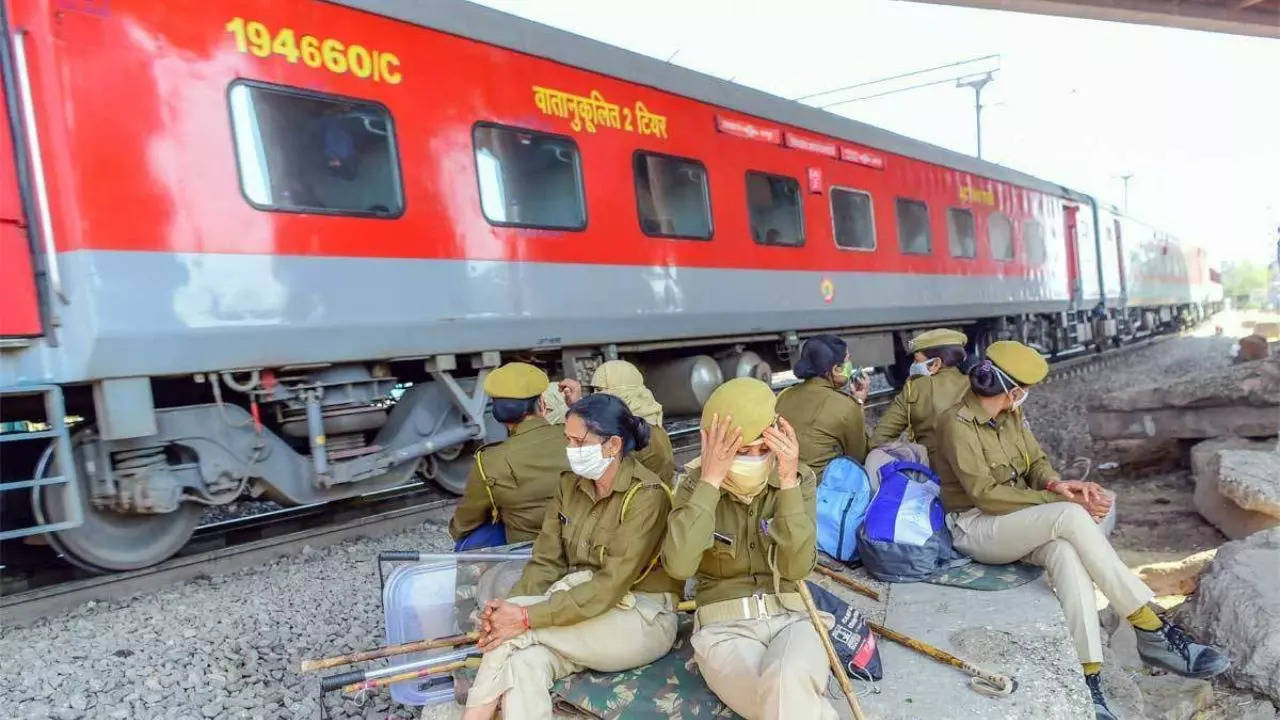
[(1073, 254), (19, 305)]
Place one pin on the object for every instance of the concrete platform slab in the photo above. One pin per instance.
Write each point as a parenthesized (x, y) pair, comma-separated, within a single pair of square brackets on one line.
[(1019, 632)]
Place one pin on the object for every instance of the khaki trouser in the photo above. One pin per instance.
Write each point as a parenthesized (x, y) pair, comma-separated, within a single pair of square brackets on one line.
[(521, 671), (770, 668), (1064, 539)]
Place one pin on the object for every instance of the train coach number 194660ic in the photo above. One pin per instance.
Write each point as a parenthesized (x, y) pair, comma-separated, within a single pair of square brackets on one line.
[(254, 38)]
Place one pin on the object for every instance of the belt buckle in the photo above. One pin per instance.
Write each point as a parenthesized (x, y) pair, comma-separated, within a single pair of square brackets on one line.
[(762, 607)]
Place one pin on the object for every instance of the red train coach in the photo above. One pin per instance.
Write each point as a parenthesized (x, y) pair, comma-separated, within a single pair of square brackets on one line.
[(275, 245)]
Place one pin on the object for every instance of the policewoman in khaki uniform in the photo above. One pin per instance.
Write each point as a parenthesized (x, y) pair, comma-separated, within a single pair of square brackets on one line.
[(624, 380), (593, 595), (828, 420), (934, 384), (512, 481), (744, 524), (1005, 502)]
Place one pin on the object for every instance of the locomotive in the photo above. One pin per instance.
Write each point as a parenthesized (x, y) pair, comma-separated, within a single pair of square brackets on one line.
[(273, 248)]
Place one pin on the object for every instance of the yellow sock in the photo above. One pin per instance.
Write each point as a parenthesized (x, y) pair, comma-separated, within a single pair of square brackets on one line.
[(1091, 668), (1144, 618)]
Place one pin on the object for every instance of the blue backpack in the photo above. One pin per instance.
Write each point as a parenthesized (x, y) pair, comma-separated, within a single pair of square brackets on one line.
[(843, 496), (904, 538)]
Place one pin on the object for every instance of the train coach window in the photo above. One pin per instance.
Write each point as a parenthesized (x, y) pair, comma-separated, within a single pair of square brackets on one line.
[(913, 227), (773, 202), (1033, 236), (300, 151), (852, 220), (1000, 236), (960, 235), (529, 179), (671, 196)]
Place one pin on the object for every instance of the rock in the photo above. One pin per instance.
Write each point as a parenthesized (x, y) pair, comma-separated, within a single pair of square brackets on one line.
[(1234, 521), (1171, 697), (1232, 704), (1251, 478), (1178, 577), (1237, 607)]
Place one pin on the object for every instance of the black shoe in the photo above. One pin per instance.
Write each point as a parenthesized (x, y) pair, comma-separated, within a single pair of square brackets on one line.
[(1100, 708), (1173, 649)]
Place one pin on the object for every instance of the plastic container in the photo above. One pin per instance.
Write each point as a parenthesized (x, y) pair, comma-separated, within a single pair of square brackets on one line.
[(419, 604)]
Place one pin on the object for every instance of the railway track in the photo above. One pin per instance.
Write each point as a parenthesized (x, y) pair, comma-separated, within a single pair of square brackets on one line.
[(684, 432), (230, 545), (252, 540)]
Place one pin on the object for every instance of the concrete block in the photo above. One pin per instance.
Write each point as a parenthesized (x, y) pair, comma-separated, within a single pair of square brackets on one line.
[(1185, 423), (1019, 632), (1251, 478), (1178, 577), (1234, 522)]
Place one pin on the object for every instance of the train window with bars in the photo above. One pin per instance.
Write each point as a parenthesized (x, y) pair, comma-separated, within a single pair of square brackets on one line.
[(960, 233), (773, 202), (1000, 236), (528, 178), (852, 219), (914, 237), (671, 196), (299, 151), (1033, 238)]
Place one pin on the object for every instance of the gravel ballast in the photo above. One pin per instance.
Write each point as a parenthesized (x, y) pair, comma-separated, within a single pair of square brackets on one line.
[(229, 646)]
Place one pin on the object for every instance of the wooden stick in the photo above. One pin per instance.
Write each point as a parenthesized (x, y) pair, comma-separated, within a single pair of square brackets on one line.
[(401, 649), (990, 683), (851, 584), (832, 657), (411, 675)]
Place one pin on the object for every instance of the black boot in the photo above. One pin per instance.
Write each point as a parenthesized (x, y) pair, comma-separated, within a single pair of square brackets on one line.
[(1100, 708), (1172, 648)]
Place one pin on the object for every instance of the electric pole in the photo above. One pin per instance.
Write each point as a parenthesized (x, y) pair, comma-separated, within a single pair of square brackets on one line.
[(977, 84), (1125, 179)]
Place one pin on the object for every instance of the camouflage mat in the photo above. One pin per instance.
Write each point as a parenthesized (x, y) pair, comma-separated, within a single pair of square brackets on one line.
[(668, 689), (979, 576)]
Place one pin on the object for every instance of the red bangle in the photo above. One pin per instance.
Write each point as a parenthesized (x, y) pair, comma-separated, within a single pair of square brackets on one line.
[(524, 613)]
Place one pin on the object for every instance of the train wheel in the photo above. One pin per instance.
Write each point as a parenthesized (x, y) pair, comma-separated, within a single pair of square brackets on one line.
[(449, 467), (109, 541)]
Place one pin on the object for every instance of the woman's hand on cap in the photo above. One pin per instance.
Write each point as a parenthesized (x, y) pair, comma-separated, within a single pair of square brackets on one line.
[(571, 389), (786, 448), (720, 443)]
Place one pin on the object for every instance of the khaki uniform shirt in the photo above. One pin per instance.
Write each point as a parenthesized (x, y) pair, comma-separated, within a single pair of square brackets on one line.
[(828, 423), (994, 464), (522, 472), (726, 544), (658, 456), (582, 533), (917, 407)]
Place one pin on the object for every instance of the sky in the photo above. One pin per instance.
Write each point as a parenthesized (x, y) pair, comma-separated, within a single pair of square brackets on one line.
[(1194, 117)]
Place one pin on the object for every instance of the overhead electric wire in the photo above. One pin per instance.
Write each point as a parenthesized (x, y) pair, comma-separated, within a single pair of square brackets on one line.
[(895, 77)]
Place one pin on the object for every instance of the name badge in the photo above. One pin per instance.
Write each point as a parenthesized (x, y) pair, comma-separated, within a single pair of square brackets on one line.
[(722, 538)]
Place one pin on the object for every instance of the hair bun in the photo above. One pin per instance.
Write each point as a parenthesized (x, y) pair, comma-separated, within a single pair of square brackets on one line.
[(640, 432)]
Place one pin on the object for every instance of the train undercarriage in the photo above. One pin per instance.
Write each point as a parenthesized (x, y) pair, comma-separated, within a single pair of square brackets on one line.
[(123, 482)]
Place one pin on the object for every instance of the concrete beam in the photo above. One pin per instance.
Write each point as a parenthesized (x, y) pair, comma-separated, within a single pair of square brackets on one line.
[(1184, 423), (1244, 17)]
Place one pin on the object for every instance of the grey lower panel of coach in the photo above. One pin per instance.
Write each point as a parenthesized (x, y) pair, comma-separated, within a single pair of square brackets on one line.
[(139, 313)]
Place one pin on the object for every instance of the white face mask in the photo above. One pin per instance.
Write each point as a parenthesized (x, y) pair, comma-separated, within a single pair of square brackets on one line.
[(1017, 403), (748, 475), (920, 369), (588, 461)]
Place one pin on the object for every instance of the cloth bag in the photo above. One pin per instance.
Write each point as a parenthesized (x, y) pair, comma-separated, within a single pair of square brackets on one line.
[(904, 537), (843, 497)]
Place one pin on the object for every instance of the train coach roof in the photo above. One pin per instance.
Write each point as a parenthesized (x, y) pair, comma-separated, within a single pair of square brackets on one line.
[(495, 27)]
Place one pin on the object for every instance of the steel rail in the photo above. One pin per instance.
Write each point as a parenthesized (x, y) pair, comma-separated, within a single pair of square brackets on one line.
[(26, 607)]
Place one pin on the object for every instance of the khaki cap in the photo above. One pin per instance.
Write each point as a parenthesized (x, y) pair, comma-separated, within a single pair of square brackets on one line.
[(751, 402), (516, 380), (937, 338), (1018, 361)]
